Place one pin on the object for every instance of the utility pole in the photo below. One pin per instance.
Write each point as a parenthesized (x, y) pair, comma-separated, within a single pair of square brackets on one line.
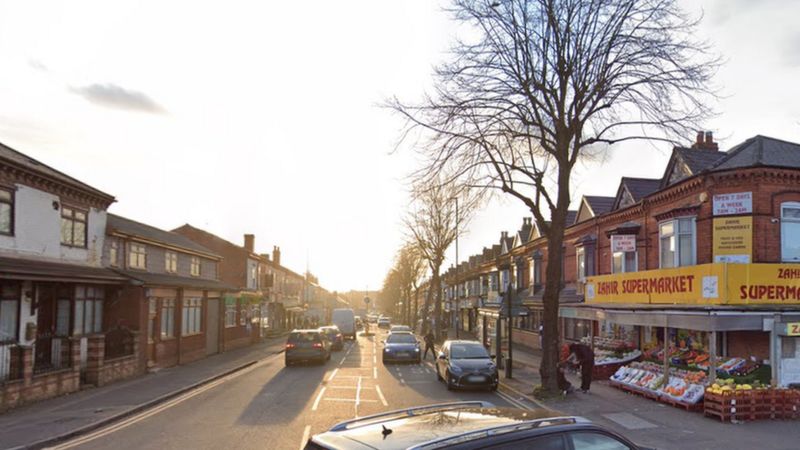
[(458, 300)]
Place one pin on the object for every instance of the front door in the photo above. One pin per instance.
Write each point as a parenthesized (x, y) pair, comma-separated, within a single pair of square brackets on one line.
[(45, 326), (152, 321), (212, 326)]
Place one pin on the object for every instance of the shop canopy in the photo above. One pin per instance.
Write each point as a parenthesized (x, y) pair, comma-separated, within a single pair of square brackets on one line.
[(700, 318), (25, 269)]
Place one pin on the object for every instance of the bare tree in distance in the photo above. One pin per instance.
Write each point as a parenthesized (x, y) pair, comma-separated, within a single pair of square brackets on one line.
[(537, 85), (432, 226)]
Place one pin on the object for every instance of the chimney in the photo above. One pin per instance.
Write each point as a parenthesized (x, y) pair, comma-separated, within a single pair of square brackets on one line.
[(250, 242), (276, 255), (705, 141)]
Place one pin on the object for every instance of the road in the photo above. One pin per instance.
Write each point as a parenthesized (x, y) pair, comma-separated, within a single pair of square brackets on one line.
[(272, 406)]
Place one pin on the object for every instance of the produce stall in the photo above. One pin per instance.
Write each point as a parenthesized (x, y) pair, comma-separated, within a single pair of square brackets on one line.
[(680, 388), (610, 354), (731, 402)]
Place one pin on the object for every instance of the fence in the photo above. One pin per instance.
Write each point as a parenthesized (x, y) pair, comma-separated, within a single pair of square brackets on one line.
[(119, 342), (51, 353), (10, 361)]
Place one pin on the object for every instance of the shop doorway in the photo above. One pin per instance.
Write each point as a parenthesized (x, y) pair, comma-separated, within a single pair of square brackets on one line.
[(212, 327)]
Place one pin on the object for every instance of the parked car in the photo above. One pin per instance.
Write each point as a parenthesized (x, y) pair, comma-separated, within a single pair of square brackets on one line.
[(334, 335), (466, 364), (401, 346), (307, 345), (396, 328), (345, 319), (384, 322), (468, 426), (359, 323), (372, 318)]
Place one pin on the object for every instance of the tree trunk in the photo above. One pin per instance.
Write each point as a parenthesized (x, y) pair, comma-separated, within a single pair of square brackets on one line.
[(416, 308), (437, 312), (426, 308)]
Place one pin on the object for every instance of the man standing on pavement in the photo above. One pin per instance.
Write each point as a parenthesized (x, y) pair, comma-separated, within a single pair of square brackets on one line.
[(429, 345), (583, 355)]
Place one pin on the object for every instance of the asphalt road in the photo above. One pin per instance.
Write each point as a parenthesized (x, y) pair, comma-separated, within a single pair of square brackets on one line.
[(276, 407)]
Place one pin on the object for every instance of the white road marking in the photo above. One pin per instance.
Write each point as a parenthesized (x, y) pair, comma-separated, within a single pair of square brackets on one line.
[(335, 399), (358, 395), (350, 387), (306, 434), (375, 373), (333, 374), (513, 401), (342, 361), (170, 403), (374, 359), (380, 394), (319, 397)]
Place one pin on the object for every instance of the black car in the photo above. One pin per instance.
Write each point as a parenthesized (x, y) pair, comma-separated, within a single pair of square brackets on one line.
[(334, 335), (307, 345), (468, 426), (466, 364), (401, 346)]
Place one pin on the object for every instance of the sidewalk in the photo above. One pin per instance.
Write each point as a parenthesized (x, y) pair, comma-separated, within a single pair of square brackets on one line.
[(648, 422), (52, 418)]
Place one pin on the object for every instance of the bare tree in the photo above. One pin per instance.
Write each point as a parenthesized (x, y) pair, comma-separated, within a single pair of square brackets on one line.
[(411, 268), (432, 226), (536, 85)]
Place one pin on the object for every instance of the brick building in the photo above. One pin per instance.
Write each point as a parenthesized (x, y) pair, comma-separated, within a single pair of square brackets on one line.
[(704, 254)]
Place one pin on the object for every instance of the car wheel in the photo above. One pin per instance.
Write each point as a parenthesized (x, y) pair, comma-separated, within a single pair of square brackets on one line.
[(288, 363), (447, 380), (438, 377), (493, 388)]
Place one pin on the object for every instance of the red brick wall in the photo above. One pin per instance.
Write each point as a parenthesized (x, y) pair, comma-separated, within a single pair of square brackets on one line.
[(748, 343), (193, 348), (233, 267)]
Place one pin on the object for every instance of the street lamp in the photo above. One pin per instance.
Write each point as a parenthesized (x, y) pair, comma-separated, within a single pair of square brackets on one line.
[(458, 301)]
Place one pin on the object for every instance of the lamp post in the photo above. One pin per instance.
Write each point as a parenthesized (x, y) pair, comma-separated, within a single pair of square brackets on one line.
[(458, 301)]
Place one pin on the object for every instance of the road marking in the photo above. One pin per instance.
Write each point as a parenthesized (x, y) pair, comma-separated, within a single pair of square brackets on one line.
[(513, 401), (342, 361), (306, 434), (374, 359), (380, 395), (358, 395), (333, 374), (375, 373), (319, 397), (337, 399), (157, 409)]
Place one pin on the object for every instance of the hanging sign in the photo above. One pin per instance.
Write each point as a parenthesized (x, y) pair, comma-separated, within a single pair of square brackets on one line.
[(734, 203), (623, 243)]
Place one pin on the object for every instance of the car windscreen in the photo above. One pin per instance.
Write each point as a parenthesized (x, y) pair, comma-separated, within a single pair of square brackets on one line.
[(401, 339), (468, 351), (303, 337)]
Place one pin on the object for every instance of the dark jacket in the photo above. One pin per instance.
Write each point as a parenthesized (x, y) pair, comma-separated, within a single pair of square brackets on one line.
[(429, 339), (583, 353)]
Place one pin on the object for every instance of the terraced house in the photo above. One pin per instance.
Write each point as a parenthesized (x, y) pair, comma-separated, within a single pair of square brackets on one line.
[(705, 255)]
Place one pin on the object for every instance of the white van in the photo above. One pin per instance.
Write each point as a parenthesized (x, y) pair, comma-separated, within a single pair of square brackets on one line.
[(345, 319)]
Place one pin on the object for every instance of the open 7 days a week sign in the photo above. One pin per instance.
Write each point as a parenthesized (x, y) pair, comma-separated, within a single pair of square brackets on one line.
[(718, 283)]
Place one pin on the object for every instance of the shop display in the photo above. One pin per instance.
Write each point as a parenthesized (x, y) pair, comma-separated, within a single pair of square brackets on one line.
[(680, 386), (613, 351)]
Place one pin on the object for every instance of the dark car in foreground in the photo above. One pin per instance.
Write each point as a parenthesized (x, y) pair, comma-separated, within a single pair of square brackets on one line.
[(334, 335), (402, 346), (469, 426), (307, 345), (466, 364)]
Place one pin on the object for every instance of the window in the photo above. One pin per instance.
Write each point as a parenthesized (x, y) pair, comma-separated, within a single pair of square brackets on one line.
[(623, 262), (167, 318), (9, 310), (580, 257), (171, 262), (6, 211), (536, 276), (587, 440), (88, 310), (243, 314), (192, 316), (254, 277), (547, 442), (195, 266), (677, 243), (230, 312), (73, 227), (790, 232), (113, 250), (137, 256)]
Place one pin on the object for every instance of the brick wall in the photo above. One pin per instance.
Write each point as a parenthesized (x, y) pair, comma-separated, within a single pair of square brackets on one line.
[(748, 343), (32, 388)]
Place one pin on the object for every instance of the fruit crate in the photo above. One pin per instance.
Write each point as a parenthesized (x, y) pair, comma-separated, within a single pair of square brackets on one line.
[(691, 407)]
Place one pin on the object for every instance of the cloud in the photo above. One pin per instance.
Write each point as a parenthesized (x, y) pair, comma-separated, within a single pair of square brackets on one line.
[(791, 51), (38, 65), (116, 97)]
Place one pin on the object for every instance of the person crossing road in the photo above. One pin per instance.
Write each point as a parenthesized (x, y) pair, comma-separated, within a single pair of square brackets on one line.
[(429, 345)]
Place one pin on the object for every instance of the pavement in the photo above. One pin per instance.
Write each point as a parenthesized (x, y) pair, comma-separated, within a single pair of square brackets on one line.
[(52, 420)]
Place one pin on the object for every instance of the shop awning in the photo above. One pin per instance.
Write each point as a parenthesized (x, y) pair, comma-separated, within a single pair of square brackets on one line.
[(700, 318), (27, 269), (164, 280)]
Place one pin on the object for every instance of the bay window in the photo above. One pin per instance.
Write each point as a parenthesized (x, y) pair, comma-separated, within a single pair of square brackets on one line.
[(790, 232), (677, 243)]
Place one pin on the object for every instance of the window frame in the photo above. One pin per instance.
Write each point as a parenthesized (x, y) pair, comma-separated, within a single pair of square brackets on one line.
[(11, 203), (11, 296), (677, 232), (192, 316), (113, 252), (72, 219), (194, 268), (170, 262), (624, 262), (89, 300), (166, 312), (230, 313), (132, 253), (784, 223)]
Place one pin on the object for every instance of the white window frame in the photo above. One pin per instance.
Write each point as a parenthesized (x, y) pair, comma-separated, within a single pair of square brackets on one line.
[(113, 253), (137, 256), (580, 260), (785, 223), (230, 314), (167, 319), (677, 231), (171, 262), (624, 263), (195, 266), (192, 316)]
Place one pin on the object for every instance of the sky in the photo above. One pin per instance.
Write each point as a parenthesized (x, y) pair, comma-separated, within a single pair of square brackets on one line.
[(264, 117)]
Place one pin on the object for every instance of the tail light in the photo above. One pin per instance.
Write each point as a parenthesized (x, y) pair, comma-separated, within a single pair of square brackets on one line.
[(317, 345), (289, 345)]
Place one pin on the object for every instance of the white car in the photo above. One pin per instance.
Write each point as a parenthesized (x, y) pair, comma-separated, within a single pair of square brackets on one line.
[(397, 328), (345, 319), (384, 322)]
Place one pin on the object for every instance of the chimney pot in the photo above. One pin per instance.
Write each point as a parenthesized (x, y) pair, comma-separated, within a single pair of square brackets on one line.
[(250, 242), (699, 140)]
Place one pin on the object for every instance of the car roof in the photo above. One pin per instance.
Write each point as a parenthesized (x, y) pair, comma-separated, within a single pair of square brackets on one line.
[(329, 327), (309, 330), (433, 424)]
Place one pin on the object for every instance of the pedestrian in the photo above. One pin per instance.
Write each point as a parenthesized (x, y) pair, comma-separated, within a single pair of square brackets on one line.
[(564, 386), (582, 354), (429, 345)]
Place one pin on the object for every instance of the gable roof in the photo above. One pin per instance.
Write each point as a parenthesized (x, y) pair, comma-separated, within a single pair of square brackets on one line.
[(593, 206), (130, 227), (761, 151), (636, 188), (572, 215), (24, 162), (524, 234), (214, 240)]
